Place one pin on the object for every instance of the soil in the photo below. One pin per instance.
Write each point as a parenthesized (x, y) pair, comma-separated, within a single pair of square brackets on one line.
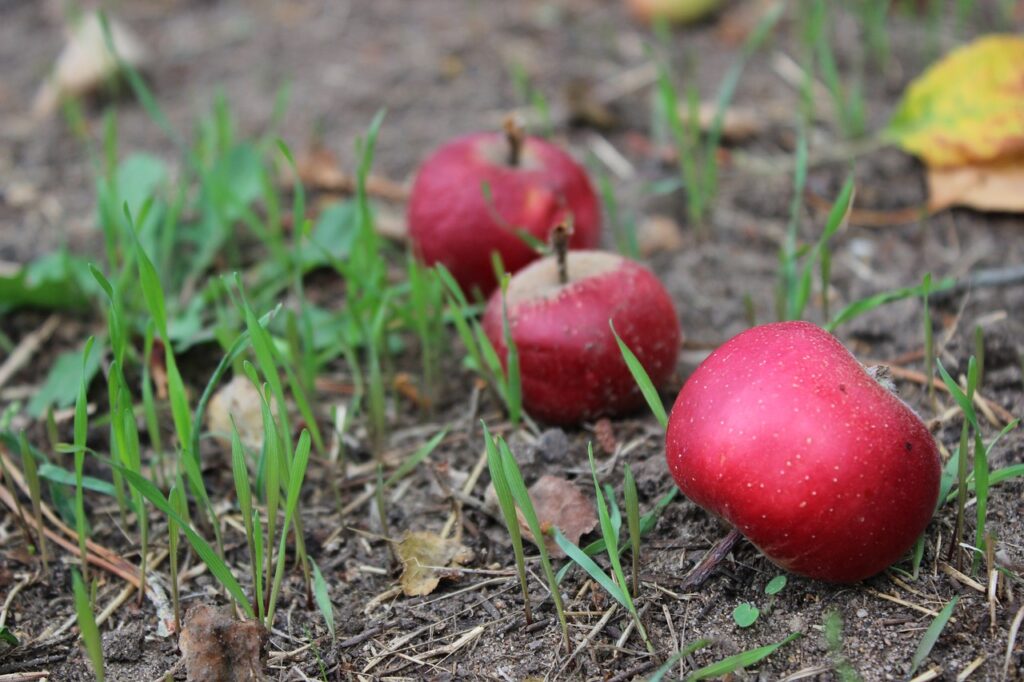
[(442, 67)]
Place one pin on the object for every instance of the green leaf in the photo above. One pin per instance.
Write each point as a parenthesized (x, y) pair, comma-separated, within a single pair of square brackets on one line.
[(60, 388), (931, 635), (741, 660), (56, 474), (323, 599), (51, 282), (745, 615), (7, 637), (775, 585), (642, 380)]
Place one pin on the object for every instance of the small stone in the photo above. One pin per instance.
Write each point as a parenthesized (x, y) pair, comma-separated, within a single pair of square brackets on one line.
[(862, 613)]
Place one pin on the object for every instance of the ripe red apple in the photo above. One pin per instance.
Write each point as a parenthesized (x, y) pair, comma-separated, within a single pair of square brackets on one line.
[(784, 434), (570, 364), (472, 196)]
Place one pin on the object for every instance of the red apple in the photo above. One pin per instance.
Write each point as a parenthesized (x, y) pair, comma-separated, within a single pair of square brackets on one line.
[(784, 434), (570, 364), (472, 196)]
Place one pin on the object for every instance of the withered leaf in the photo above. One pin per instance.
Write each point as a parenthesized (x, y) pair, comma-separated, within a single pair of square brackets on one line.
[(218, 648), (559, 503), (426, 558), (993, 186)]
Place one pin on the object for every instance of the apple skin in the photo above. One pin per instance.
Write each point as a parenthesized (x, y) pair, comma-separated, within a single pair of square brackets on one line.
[(570, 365), (782, 433), (452, 221)]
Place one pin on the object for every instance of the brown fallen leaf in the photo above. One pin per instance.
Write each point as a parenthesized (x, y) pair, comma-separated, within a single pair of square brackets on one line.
[(239, 399), (559, 503), (85, 63), (659, 234), (319, 169), (218, 648), (738, 124), (997, 186), (426, 558)]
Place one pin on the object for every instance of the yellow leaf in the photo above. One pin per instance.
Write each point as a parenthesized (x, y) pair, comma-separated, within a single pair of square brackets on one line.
[(968, 107), (426, 558), (997, 186)]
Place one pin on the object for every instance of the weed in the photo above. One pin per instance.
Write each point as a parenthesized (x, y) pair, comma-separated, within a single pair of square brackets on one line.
[(87, 625), (642, 379), (931, 635), (508, 512), (28, 466), (834, 643), (323, 598), (617, 588), (735, 662), (698, 162)]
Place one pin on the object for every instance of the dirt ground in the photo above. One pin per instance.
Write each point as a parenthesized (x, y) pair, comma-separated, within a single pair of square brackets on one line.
[(441, 67)]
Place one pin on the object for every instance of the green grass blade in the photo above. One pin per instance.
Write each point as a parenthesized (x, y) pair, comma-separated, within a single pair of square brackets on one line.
[(737, 661), (218, 568), (676, 657), (87, 625), (296, 475), (323, 598), (593, 570), (642, 380), (858, 308), (931, 635), (414, 460), (508, 512)]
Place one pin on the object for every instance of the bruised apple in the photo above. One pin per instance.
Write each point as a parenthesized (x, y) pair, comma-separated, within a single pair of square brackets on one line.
[(570, 363), (782, 433), (479, 193)]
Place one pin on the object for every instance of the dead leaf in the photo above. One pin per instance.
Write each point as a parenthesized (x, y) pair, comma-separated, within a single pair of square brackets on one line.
[(659, 234), (319, 169), (585, 108), (426, 558), (604, 432), (738, 124), (997, 186), (968, 108), (218, 648), (559, 503), (239, 399), (85, 63)]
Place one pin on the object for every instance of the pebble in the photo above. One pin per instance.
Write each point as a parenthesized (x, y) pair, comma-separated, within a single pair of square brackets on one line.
[(862, 613)]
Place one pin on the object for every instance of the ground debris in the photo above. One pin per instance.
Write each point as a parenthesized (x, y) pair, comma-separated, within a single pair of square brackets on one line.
[(426, 558), (218, 648), (559, 503)]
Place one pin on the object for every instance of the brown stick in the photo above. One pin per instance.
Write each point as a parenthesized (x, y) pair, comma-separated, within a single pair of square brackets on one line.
[(111, 561), (706, 566), (515, 136), (560, 243)]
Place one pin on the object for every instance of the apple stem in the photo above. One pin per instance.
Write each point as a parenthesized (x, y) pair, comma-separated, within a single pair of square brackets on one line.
[(706, 566), (515, 136), (560, 234)]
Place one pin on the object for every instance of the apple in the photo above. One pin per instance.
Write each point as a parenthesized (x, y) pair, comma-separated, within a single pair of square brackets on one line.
[(559, 311), (474, 195), (674, 11), (782, 433)]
